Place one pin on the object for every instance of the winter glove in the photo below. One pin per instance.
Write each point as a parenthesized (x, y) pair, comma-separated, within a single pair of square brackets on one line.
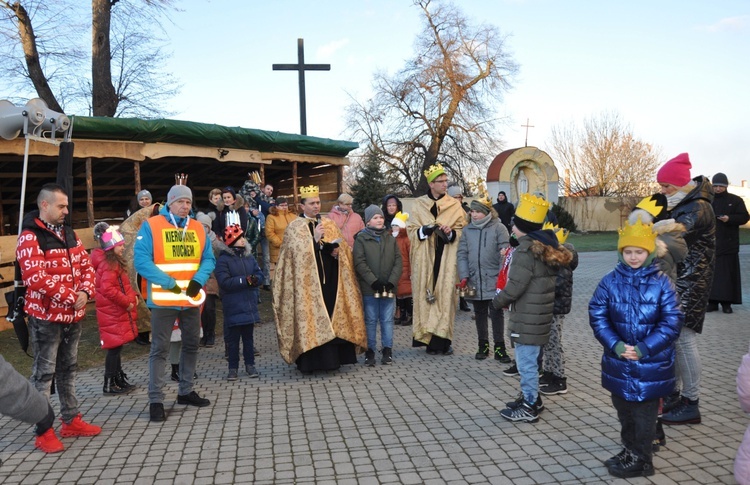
[(377, 285), (176, 289), (463, 283), (253, 280), (388, 286), (193, 288), (428, 230)]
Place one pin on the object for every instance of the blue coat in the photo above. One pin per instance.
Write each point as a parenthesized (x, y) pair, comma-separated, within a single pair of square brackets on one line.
[(239, 299), (638, 307)]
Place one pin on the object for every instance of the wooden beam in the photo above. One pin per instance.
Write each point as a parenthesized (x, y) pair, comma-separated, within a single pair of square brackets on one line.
[(137, 174), (294, 184), (89, 193)]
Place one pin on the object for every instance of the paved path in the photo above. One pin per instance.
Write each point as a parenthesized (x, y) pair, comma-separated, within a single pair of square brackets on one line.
[(425, 419)]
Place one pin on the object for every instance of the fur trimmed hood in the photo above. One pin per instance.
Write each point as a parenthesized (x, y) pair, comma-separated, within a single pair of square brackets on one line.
[(557, 257)]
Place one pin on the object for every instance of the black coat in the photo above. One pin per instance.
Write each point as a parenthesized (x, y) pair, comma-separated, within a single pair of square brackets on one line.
[(564, 284), (728, 233), (695, 274), (505, 211)]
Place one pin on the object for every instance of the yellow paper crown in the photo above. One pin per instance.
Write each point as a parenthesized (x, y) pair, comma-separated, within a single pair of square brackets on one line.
[(485, 201), (561, 233), (638, 234), (309, 191), (532, 208), (403, 216), (432, 173), (651, 205)]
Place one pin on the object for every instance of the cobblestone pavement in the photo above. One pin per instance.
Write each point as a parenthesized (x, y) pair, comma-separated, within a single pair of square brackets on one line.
[(424, 419)]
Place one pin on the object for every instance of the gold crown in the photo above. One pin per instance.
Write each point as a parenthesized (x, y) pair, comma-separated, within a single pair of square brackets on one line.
[(561, 233), (532, 208), (403, 216), (433, 171), (650, 205), (638, 234), (485, 201), (309, 191)]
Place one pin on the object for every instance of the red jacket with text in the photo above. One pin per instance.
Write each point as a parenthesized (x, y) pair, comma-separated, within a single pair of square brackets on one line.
[(117, 325), (54, 270)]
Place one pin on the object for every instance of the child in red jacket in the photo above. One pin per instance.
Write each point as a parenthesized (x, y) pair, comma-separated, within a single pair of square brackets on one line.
[(115, 304)]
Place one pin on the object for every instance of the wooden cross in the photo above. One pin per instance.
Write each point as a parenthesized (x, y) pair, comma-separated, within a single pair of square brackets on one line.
[(527, 126), (301, 67)]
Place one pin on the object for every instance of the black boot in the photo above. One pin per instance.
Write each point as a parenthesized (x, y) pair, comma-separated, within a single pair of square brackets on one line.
[(175, 372), (111, 387), (632, 466), (122, 380), (660, 439), (501, 354), (142, 338), (463, 305), (483, 351)]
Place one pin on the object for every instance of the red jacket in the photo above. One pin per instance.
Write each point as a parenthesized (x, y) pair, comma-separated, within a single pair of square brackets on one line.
[(53, 277), (404, 283), (117, 325)]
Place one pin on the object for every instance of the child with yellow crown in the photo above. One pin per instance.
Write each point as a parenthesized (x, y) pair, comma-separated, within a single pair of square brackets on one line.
[(635, 314)]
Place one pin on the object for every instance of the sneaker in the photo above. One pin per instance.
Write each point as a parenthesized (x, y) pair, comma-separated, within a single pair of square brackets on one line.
[(511, 371), (156, 410), (524, 412), (48, 442), (448, 351), (501, 355), (539, 405), (686, 412), (250, 369), (546, 378), (483, 351), (78, 427), (618, 458), (557, 386), (670, 402), (631, 466), (387, 357), (232, 375), (210, 342), (370, 358), (193, 399)]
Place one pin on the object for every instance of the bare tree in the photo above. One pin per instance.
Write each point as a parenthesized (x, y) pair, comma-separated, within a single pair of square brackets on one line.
[(441, 107), (45, 52), (604, 158)]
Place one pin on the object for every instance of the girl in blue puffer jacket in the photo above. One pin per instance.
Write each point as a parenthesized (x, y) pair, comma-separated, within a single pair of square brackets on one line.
[(635, 315)]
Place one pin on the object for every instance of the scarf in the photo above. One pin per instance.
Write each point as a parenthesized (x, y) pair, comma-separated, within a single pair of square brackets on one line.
[(480, 223)]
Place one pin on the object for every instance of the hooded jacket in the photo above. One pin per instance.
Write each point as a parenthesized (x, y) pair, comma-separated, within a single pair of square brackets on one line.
[(117, 325), (276, 223), (384, 208), (349, 223), (403, 289), (220, 223), (53, 276), (376, 258), (671, 248), (530, 290), (695, 273), (564, 283), (238, 298), (638, 307), (479, 256)]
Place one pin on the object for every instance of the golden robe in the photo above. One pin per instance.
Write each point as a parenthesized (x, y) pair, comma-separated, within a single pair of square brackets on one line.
[(302, 321), (434, 318), (129, 230)]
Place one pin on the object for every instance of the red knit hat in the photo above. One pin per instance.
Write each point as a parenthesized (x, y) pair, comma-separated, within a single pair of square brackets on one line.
[(676, 171)]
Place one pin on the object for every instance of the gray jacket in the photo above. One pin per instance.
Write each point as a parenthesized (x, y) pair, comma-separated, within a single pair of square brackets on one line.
[(18, 397), (479, 257)]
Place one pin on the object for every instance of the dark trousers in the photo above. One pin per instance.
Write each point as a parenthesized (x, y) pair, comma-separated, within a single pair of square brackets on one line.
[(208, 317), (638, 425), (112, 362), (232, 338), (481, 309)]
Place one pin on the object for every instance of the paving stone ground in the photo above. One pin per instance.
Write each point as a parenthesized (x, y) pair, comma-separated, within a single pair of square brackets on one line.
[(424, 419)]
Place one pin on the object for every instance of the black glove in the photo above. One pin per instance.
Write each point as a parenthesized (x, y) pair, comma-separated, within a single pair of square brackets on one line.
[(193, 288), (377, 285), (252, 280), (428, 230), (176, 289), (388, 286)]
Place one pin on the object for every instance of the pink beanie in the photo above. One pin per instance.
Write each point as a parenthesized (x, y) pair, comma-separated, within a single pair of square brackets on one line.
[(676, 171)]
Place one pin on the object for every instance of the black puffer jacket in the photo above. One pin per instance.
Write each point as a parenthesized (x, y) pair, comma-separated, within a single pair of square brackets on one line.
[(696, 272), (564, 284)]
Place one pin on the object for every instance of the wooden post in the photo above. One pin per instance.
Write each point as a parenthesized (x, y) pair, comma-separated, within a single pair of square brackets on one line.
[(89, 193), (137, 173), (294, 184), (340, 180), (263, 177)]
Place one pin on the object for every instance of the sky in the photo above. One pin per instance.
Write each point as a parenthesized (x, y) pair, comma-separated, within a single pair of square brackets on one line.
[(676, 71)]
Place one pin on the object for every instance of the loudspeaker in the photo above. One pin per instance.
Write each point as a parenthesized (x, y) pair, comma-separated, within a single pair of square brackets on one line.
[(53, 121), (13, 118)]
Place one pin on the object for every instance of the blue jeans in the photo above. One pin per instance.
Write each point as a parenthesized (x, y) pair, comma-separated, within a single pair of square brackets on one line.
[(379, 310), (526, 360), (688, 363), (234, 334), (55, 347), (162, 320)]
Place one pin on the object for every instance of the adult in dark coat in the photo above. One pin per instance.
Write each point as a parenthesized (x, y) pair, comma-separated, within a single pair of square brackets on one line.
[(505, 210), (689, 203), (391, 206), (731, 213)]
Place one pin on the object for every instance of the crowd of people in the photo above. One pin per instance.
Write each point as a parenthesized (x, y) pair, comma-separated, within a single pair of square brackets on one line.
[(338, 279)]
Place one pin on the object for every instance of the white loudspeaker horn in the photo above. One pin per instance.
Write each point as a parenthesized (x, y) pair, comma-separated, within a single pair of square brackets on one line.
[(12, 118), (53, 121)]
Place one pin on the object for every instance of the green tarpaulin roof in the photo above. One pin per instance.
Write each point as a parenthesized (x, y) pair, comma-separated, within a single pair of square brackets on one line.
[(205, 134)]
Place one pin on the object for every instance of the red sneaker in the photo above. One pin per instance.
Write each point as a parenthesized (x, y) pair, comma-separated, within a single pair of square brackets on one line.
[(48, 442), (78, 427)]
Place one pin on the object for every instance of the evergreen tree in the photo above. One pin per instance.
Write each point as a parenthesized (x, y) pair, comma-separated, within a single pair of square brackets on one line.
[(369, 186)]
